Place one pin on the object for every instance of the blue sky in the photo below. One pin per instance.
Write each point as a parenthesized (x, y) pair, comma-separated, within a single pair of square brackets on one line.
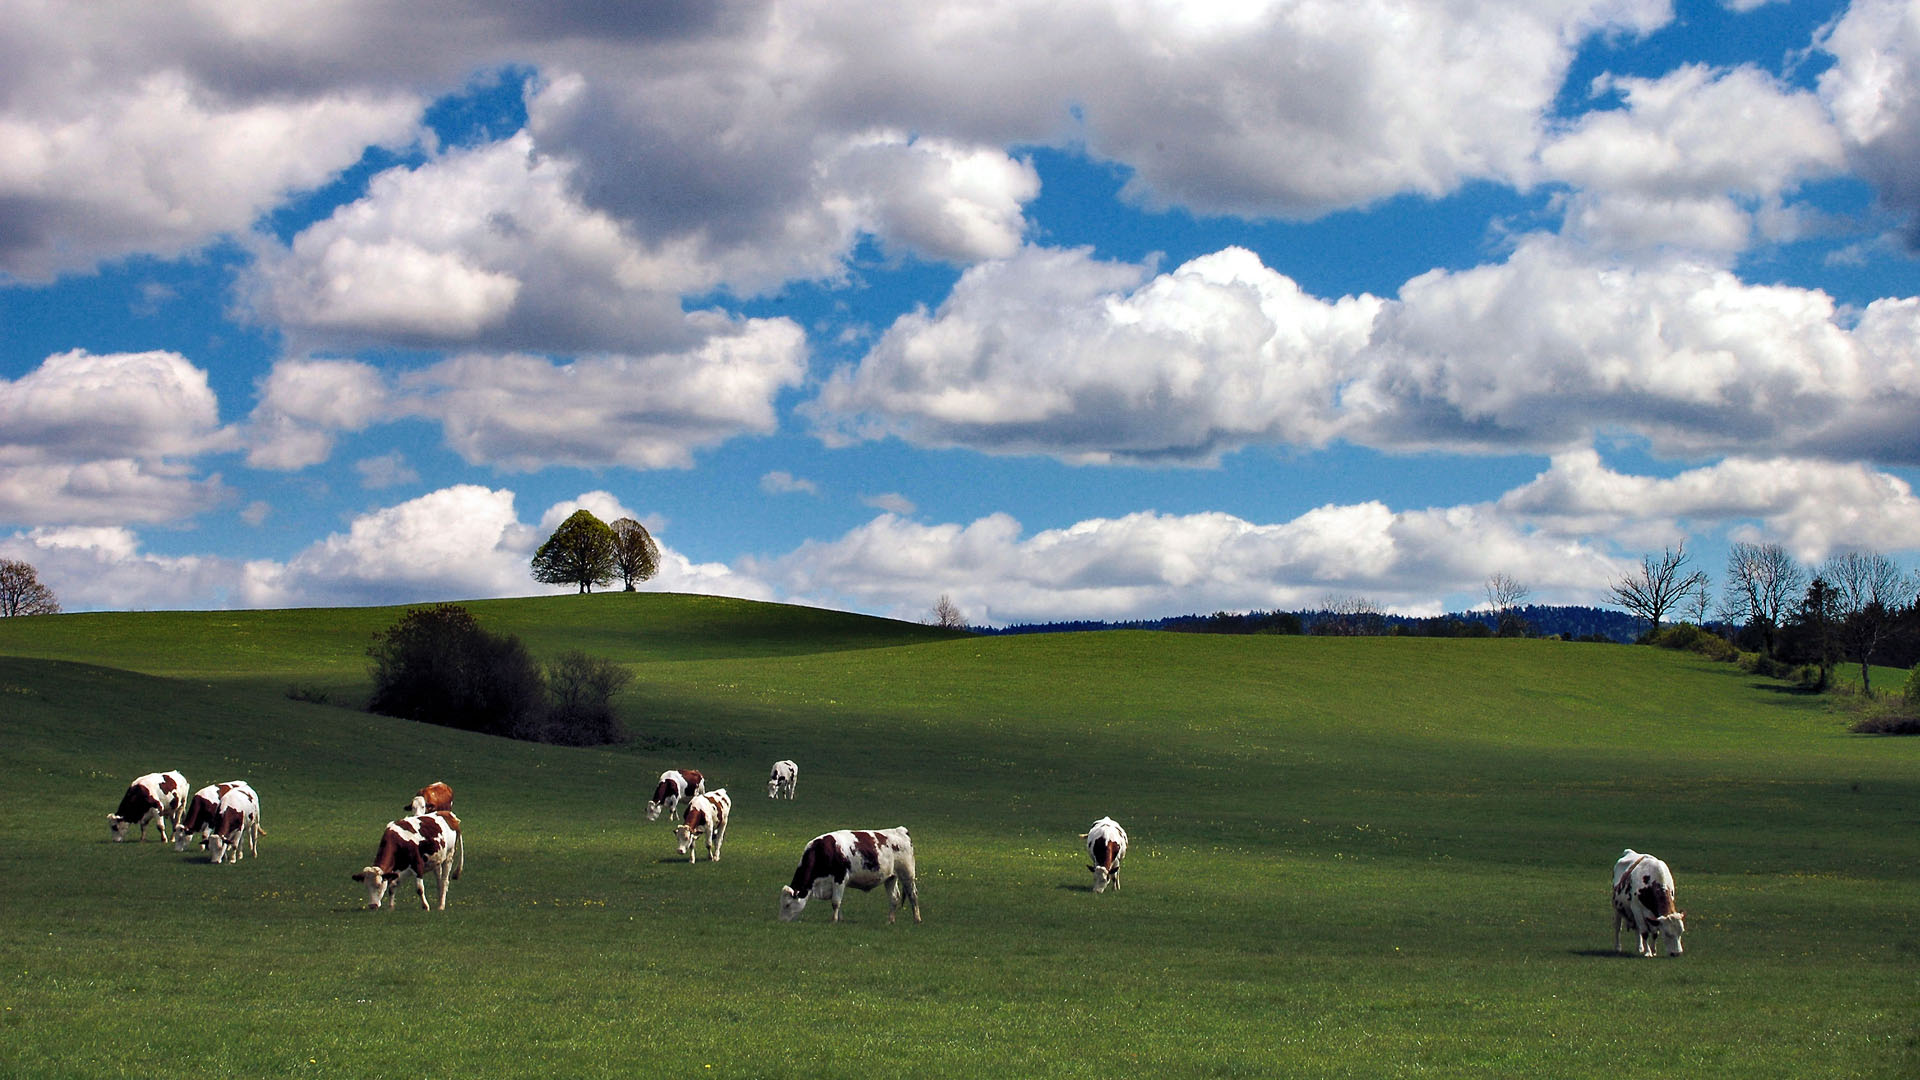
[(1065, 310)]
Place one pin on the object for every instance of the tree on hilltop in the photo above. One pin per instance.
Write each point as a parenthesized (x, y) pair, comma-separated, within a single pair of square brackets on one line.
[(21, 592), (582, 551), (635, 556), (1660, 586)]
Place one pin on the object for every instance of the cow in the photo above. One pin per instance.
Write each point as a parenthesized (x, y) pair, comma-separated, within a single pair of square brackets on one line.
[(1106, 846), (1643, 898), (202, 809), (160, 796), (435, 796), (235, 822), (710, 812), (857, 857), (784, 778), (675, 785), (415, 845)]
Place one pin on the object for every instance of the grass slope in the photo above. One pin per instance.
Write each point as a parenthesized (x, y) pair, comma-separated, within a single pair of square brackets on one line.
[(1362, 857)]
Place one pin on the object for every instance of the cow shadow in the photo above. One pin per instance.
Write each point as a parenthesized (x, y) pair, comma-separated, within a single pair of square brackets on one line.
[(1602, 954)]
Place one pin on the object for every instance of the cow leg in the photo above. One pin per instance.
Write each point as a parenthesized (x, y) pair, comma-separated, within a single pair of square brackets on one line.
[(893, 898), (420, 886), (715, 838), (440, 878), (839, 893)]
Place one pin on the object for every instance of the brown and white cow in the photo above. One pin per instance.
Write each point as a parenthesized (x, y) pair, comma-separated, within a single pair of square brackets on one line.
[(710, 812), (1106, 846), (782, 780), (236, 822), (159, 796), (417, 844), (202, 809), (1643, 898), (435, 796), (674, 785), (858, 857)]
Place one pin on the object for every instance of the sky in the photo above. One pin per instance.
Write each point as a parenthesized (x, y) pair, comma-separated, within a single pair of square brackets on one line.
[(1065, 309)]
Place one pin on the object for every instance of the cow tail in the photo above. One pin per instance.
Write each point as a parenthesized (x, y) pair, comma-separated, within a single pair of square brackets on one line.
[(459, 852)]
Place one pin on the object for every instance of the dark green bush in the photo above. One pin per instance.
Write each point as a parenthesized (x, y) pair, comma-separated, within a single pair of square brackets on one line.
[(581, 689), (1690, 638), (438, 666)]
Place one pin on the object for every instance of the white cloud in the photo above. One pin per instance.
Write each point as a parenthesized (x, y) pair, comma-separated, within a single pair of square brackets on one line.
[(1691, 159), (461, 542), (385, 471), (1147, 565), (97, 439), (1873, 91), (303, 402), (892, 502), (104, 567), (1052, 352), (1814, 507), (782, 482)]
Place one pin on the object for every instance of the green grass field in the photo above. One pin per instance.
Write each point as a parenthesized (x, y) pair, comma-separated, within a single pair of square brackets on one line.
[(1350, 857)]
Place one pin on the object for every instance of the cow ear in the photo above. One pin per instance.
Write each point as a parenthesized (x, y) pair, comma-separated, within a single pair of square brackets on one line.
[(362, 876), (391, 875)]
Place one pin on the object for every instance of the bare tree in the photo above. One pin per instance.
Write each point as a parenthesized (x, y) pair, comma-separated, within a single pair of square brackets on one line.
[(635, 555), (947, 614), (1700, 600), (1349, 616), (1868, 591), (1762, 580), (1660, 586), (1505, 595), (21, 592)]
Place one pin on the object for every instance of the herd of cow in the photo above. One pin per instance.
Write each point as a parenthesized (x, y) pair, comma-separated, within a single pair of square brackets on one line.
[(225, 818)]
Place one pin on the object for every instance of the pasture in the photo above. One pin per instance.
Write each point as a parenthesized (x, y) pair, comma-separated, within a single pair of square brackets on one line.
[(1350, 857)]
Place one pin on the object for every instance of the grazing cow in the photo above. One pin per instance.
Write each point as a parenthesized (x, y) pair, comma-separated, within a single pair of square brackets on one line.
[(203, 809), (675, 785), (416, 845), (857, 857), (160, 796), (784, 778), (1643, 898), (1106, 846), (435, 796), (710, 812), (235, 822)]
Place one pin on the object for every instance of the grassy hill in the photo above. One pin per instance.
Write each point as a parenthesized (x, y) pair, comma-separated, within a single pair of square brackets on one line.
[(1351, 857)]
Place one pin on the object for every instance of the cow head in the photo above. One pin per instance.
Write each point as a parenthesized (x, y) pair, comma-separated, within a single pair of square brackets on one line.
[(791, 903), (183, 838), (773, 786), (1102, 876), (117, 827), (415, 808), (220, 847), (377, 882), (686, 833), (1670, 928), (653, 810)]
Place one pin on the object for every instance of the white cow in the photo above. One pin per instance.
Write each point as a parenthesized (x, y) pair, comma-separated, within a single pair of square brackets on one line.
[(236, 822), (1106, 846), (858, 857), (417, 845), (784, 778), (674, 785), (1643, 897), (708, 811), (203, 810), (160, 796)]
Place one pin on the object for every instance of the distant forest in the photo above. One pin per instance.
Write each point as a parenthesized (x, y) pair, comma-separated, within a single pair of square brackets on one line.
[(1534, 620)]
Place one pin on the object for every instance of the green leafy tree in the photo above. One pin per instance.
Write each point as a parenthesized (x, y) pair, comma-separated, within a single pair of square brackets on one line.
[(582, 551), (635, 556)]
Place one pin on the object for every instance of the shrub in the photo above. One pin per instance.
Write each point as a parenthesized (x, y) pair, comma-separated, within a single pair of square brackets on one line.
[(1887, 724), (581, 689), (436, 665), (1690, 638), (1912, 692)]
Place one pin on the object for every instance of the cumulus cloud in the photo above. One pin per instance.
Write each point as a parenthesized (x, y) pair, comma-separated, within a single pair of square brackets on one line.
[(1054, 352), (460, 542), (104, 566), (1146, 565), (782, 482), (1873, 91), (98, 439), (1690, 160), (1813, 507)]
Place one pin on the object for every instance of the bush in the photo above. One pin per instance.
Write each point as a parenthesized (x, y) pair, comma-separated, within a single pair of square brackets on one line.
[(1690, 638), (581, 690), (1912, 692), (436, 665), (1887, 725)]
